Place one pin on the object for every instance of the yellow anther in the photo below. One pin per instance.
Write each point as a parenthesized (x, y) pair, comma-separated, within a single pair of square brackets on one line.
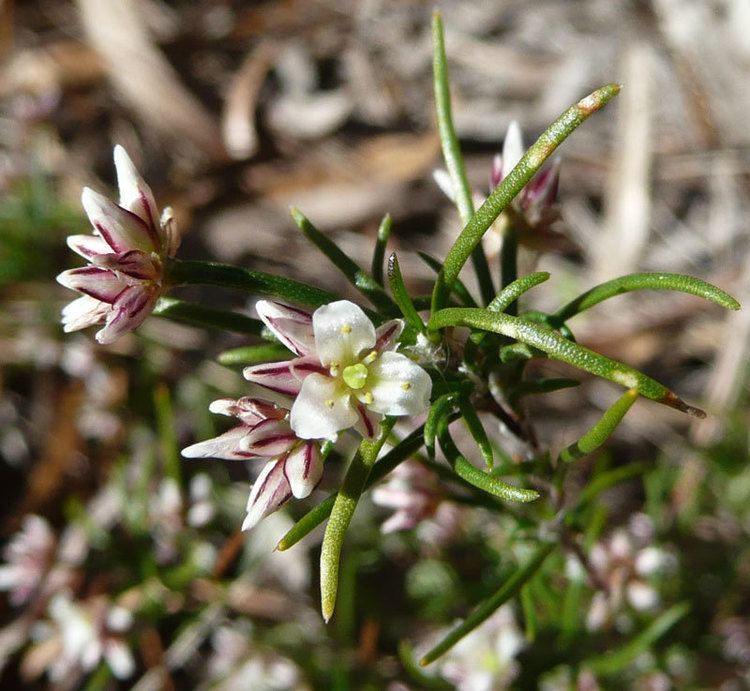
[(368, 398), (406, 386), (330, 404), (346, 329), (370, 357)]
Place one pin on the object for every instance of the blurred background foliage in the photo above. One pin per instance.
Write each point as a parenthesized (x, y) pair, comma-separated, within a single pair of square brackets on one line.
[(130, 558)]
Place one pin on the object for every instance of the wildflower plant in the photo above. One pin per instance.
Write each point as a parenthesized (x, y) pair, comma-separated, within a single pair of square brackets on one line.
[(332, 368)]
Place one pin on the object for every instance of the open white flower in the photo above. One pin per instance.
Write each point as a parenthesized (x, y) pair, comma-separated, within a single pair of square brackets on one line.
[(348, 373), (123, 280)]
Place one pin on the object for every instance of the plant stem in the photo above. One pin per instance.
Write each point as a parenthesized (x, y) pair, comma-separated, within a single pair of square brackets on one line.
[(208, 317)]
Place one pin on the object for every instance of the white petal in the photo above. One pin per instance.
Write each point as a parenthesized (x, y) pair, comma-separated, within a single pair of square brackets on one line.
[(303, 469), (250, 411), (226, 446), (119, 659), (387, 334), (292, 326), (399, 386), (83, 312), (367, 424), (128, 312), (322, 409), (269, 438), (120, 228), (281, 377), (270, 492), (512, 148), (444, 182), (88, 246), (342, 333), (100, 284), (135, 194)]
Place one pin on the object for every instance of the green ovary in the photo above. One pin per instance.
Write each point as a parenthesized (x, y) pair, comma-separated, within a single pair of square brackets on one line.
[(355, 376)]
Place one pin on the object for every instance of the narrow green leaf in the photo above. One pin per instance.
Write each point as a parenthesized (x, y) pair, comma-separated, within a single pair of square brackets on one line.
[(440, 409), (187, 272), (602, 430), (459, 289), (206, 317), (401, 295), (485, 610), (378, 255), (249, 355), (614, 661), (341, 515), (454, 161), (471, 474), (356, 275), (477, 431), (609, 479), (425, 681), (551, 342), (315, 516), (646, 281), (506, 191), (510, 293)]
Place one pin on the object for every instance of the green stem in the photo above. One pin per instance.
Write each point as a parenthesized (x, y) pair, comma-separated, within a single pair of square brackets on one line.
[(249, 355), (513, 290), (508, 590), (341, 515), (454, 161), (207, 317), (187, 272), (509, 265), (506, 191), (313, 518)]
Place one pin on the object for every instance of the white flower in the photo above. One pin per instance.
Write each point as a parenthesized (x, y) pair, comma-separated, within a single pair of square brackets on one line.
[(294, 467), (123, 280), (29, 556), (347, 373)]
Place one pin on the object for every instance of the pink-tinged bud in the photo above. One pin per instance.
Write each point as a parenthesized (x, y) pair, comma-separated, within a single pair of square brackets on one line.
[(126, 254), (291, 325)]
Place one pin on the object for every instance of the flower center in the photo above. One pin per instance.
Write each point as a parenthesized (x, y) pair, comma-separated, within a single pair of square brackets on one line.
[(355, 376)]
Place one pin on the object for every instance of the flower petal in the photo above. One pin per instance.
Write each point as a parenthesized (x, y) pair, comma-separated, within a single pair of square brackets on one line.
[(512, 148), (270, 492), (399, 386), (269, 438), (88, 246), (443, 180), (275, 376), (303, 469), (292, 326), (250, 411), (121, 229), (387, 334), (226, 446), (100, 284), (142, 266), (367, 425), (136, 195), (322, 409), (541, 190), (342, 332), (83, 312), (128, 312)]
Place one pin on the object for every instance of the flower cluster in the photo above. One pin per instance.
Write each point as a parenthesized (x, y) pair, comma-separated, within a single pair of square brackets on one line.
[(126, 255), (346, 374)]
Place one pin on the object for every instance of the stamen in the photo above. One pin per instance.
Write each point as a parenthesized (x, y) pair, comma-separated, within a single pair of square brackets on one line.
[(330, 404), (405, 386), (370, 358), (346, 329)]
